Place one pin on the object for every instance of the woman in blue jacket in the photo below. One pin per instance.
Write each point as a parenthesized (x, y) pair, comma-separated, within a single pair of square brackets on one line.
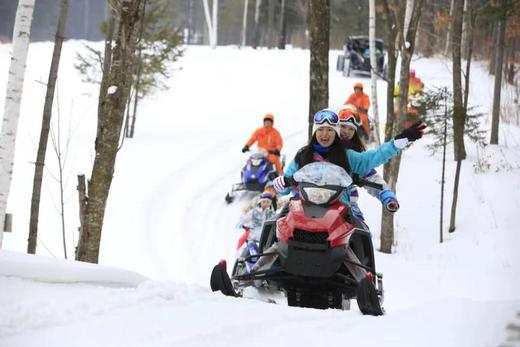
[(325, 145)]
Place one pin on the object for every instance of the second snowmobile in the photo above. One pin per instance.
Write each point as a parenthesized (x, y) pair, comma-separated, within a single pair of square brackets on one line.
[(254, 175)]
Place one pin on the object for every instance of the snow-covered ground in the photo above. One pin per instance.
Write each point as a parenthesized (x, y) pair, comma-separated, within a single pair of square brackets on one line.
[(167, 223)]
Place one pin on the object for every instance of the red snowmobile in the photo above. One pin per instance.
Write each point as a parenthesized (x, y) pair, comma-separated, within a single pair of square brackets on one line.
[(314, 250)]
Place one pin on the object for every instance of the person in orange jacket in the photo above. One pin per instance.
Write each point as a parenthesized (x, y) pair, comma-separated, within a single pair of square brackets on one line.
[(362, 102), (415, 84), (268, 138)]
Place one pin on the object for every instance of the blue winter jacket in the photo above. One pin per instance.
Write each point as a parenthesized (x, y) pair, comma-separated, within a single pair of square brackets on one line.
[(360, 163)]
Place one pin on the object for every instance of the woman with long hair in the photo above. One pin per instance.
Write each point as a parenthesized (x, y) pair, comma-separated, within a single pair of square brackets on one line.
[(325, 145), (350, 122)]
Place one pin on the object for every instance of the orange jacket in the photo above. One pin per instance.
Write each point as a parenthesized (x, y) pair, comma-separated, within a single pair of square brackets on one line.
[(415, 85), (268, 139), (362, 102)]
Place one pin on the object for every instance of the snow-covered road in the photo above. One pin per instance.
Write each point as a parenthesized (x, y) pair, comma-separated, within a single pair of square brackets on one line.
[(167, 219)]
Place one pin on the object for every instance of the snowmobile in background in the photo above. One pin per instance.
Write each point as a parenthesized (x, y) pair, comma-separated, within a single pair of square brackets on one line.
[(254, 175), (314, 250)]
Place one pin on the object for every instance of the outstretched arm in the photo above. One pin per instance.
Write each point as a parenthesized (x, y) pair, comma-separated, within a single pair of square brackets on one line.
[(362, 162), (374, 177)]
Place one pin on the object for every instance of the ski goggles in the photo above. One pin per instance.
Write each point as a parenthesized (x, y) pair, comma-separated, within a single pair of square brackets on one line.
[(326, 116), (347, 116)]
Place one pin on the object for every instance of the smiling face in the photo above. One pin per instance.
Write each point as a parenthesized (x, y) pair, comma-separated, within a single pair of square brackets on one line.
[(325, 136), (347, 132)]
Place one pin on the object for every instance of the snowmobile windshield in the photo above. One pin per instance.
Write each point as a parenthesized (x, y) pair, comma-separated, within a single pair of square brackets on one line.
[(323, 174), (257, 157)]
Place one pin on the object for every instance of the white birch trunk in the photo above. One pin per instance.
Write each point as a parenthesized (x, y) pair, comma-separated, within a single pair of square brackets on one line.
[(373, 64), (21, 32), (211, 21), (244, 23), (407, 17), (214, 24), (207, 16), (448, 32)]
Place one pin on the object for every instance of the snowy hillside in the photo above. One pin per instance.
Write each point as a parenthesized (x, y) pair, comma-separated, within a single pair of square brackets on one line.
[(167, 220)]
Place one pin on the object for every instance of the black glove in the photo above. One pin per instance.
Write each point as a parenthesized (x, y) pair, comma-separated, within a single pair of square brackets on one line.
[(245, 149), (412, 133), (277, 153)]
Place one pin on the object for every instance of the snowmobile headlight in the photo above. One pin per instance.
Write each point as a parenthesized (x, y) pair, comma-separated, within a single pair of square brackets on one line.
[(256, 162), (319, 196)]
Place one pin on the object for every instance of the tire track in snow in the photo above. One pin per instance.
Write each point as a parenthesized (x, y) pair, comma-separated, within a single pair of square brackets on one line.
[(155, 221), (194, 227), (216, 233)]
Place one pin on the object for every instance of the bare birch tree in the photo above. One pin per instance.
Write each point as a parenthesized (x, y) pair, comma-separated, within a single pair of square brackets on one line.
[(373, 64), (13, 99), (244, 24), (397, 12), (114, 93), (459, 114), (499, 62), (211, 22), (44, 132), (282, 32), (256, 33), (319, 24)]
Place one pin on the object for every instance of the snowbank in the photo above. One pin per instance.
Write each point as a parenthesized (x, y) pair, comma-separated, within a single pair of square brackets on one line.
[(52, 270)]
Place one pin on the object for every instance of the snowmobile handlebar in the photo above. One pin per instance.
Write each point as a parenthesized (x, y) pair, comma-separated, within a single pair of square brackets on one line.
[(363, 183), (289, 181)]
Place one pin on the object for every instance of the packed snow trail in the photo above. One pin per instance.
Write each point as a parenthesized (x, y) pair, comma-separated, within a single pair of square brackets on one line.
[(167, 219)]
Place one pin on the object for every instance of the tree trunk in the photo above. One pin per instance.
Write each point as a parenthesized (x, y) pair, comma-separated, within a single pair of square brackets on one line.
[(44, 133), (391, 170), (13, 99), (455, 197), (127, 117), (511, 69), (448, 32), (426, 35), (190, 22), (256, 33), (319, 63), (498, 76), (459, 114), (215, 24), (209, 23), (271, 36), (110, 122), (391, 173), (107, 62), (244, 23), (493, 52), (387, 219), (83, 201), (282, 35), (392, 34), (470, 35), (374, 68), (139, 64), (134, 111)]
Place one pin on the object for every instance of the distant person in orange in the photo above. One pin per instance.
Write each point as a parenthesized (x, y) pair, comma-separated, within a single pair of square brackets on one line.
[(362, 102), (268, 138), (415, 84)]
